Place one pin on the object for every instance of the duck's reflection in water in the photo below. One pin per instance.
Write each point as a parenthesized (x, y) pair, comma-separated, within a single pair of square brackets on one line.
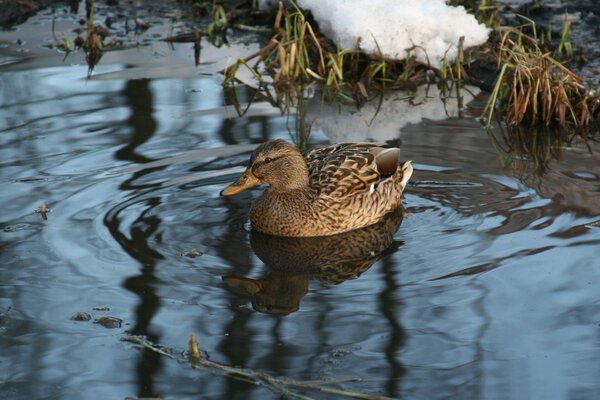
[(293, 261)]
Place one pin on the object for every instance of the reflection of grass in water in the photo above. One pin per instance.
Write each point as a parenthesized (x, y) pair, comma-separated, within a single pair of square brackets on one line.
[(291, 103), (528, 149)]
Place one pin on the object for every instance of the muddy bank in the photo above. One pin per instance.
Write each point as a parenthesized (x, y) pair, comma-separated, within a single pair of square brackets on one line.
[(14, 12)]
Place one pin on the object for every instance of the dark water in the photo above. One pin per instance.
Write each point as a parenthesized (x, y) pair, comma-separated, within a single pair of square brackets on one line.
[(489, 288)]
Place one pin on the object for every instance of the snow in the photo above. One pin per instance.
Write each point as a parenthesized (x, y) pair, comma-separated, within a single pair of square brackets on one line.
[(395, 26)]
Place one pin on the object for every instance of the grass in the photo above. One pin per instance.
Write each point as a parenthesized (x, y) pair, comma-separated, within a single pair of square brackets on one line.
[(297, 56), (565, 48), (534, 89), (93, 42)]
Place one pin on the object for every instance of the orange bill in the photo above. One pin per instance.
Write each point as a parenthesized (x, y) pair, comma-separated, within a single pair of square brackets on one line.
[(247, 180)]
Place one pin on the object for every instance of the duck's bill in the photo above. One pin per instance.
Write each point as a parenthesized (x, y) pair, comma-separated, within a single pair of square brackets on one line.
[(246, 181)]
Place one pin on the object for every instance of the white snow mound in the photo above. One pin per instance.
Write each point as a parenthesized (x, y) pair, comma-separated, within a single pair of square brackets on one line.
[(398, 25)]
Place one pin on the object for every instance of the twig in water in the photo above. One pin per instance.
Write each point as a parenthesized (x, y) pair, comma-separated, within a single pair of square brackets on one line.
[(278, 385)]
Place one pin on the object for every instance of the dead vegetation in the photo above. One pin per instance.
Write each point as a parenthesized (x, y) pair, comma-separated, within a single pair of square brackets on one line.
[(298, 55), (284, 387), (532, 88)]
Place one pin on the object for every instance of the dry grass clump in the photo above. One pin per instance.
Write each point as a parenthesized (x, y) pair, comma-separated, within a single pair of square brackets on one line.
[(534, 89), (542, 106), (297, 55)]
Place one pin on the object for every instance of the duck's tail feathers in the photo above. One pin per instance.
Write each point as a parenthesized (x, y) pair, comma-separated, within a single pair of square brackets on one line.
[(407, 171)]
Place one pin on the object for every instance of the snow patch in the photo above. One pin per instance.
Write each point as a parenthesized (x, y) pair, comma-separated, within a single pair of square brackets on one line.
[(397, 26)]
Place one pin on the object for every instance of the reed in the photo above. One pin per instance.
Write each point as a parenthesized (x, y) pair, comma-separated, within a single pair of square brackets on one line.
[(534, 89), (565, 48), (297, 56), (93, 42)]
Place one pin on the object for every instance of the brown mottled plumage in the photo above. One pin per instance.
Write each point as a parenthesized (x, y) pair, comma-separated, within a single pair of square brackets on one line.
[(324, 191)]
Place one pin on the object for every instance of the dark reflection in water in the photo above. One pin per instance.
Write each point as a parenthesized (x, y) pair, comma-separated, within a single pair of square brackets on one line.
[(136, 242), (390, 310), (139, 97), (292, 262), (260, 131)]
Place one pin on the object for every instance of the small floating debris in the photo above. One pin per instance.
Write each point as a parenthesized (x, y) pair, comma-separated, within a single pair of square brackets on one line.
[(81, 316), (141, 25), (109, 322), (101, 308), (5, 317), (442, 184), (193, 253), (143, 398), (344, 351), (43, 211), (27, 179), (194, 355), (16, 227), (188, 37)]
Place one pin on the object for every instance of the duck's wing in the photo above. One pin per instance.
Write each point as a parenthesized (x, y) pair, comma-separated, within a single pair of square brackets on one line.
[(350, 168)]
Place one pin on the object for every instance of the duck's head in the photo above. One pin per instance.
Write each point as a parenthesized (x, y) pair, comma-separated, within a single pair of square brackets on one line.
[(276, 163)]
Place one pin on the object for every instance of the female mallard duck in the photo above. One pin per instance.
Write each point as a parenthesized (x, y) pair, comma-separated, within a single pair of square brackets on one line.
[(323, 191)]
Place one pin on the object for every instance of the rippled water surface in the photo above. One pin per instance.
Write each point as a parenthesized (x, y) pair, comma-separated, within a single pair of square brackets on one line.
[(488, 289)]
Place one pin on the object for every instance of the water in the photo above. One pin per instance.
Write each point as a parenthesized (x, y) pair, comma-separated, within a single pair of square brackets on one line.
[(488, 289)]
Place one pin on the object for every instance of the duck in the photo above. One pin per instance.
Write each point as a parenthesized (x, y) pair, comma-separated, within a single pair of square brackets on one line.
[(323, 191)]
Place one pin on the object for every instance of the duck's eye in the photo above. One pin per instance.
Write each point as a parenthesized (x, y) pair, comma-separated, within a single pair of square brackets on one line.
[(267, 160)]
